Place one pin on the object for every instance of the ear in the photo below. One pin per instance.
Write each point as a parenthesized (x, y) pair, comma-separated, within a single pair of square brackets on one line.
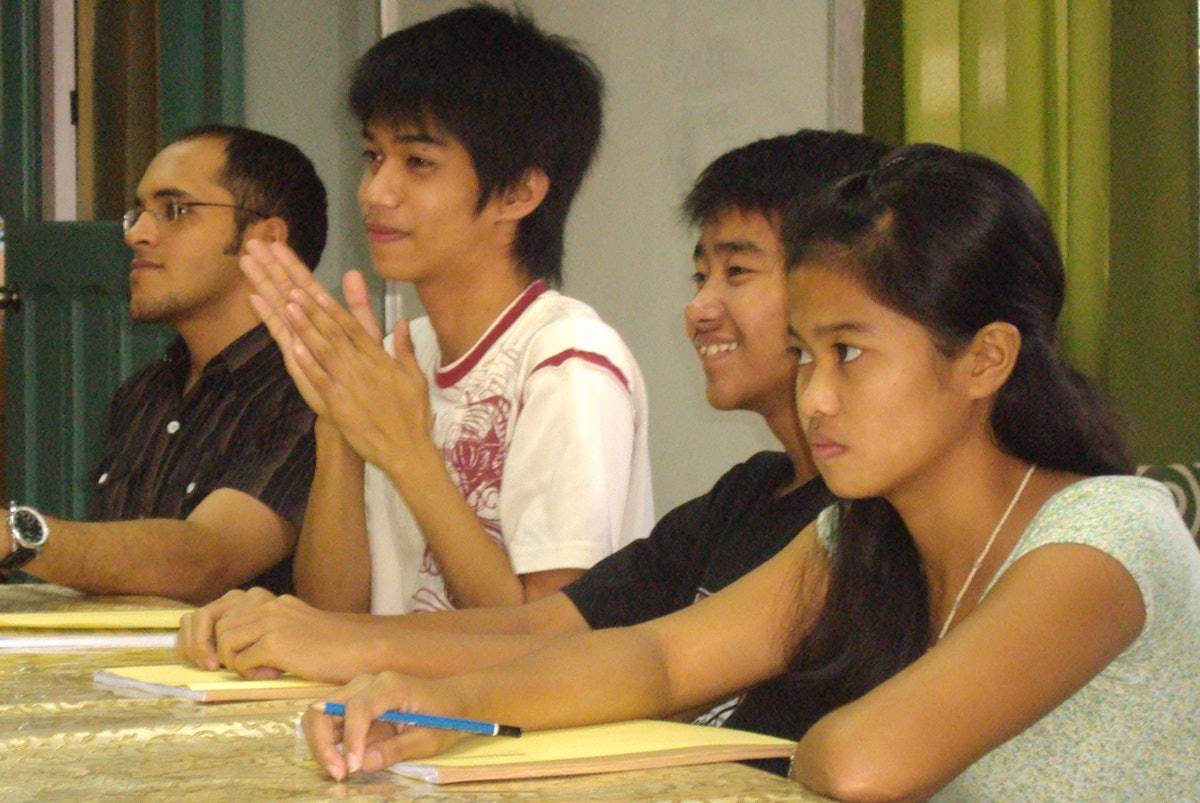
[(270, 230), (525, 196), (991, 357)]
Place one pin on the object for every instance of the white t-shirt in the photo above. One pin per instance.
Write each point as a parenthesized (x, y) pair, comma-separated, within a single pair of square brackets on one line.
[(542, 425)]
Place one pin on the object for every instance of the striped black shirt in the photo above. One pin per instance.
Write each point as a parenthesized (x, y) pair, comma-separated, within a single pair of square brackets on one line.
[(243, 425)]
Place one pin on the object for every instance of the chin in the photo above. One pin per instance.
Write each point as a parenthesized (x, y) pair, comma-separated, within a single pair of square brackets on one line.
[(846, 486), (151, 311), (723, 401)]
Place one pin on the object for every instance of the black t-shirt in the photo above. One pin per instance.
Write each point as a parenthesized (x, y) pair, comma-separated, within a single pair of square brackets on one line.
[(701, 546), (696, 550)]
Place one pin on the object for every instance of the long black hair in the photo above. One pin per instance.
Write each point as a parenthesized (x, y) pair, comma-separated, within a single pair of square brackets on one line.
[(953, 241)]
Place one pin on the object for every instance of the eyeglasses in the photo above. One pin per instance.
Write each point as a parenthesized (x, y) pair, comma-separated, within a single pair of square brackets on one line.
[(173, 211)]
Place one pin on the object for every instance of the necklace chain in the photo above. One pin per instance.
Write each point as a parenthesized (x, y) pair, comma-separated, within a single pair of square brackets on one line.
[(986, 548)]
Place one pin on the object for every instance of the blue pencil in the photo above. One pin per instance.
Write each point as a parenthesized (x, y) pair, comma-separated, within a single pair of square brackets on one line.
[(429, 721)]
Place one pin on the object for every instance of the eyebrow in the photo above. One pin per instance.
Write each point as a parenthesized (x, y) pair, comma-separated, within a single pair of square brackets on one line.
[(165, 193), (421, 137), (825, 330), (729, 247)]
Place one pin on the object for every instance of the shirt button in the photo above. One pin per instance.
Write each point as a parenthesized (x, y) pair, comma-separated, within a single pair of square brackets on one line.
[(173, 427), (191, 488), (103, 479)]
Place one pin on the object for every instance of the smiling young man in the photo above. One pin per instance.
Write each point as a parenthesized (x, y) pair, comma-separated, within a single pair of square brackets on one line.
[(737, 323), (209, 455), (495, 450)]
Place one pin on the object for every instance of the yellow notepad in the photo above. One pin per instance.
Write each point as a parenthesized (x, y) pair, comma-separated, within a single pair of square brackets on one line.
[(139, 619), (637, 744), (202, 685)]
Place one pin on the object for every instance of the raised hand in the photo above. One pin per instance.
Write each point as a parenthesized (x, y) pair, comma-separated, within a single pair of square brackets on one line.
[(274, 275), (379, 403)]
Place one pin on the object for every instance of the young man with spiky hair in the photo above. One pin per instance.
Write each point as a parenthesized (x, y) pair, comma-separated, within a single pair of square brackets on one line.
[(496, 449)]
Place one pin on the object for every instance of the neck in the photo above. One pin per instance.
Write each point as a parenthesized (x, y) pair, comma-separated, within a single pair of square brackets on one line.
[(951, 522), (207, 337), (458, 323), (785, 426)]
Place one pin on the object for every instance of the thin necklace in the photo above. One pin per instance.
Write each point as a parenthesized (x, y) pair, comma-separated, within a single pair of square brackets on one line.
[(986, 547)]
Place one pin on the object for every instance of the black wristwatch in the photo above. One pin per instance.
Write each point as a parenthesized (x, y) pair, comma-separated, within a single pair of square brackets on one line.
[(29, 534)]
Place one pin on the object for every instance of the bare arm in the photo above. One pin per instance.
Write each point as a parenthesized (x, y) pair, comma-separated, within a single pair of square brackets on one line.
[(996, 674), (259, 635), (227, 540), (667, 665), (332, 566)]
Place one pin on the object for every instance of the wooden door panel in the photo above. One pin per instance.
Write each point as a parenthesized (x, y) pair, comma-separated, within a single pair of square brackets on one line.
[(70, 344)]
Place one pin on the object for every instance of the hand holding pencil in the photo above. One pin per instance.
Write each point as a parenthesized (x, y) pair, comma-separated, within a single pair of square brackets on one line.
[(375, 728)]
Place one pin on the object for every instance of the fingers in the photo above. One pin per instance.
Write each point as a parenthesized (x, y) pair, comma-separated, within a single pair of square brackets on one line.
[(197, 641), (367, 743), (281, 280), (242, 633), (370, 697), (354, 290), (406, 744), (324, 732), (275, 270), (406, 357)]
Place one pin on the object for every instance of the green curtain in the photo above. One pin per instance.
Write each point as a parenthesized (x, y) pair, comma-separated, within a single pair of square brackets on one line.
[(1093, 104), (1026, 83)]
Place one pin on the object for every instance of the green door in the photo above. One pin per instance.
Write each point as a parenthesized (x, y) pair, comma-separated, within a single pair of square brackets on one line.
[(69, 338)]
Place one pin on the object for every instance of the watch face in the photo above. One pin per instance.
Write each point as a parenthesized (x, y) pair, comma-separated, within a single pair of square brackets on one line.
[(28, 527)]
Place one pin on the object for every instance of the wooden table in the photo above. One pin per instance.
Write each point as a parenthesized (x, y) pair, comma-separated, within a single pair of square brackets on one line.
[(63, 737)]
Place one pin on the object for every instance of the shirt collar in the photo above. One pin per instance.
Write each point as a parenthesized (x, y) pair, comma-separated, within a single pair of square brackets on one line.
[(234, 359)]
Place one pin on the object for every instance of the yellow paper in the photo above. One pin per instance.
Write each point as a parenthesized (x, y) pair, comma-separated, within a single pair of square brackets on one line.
[(140, 619), (595, 741), (637, 744), (179, 680), (190, 677)]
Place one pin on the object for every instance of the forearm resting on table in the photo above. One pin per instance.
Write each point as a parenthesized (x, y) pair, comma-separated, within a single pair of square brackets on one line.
[(656, 668), (444, 643), (160, 557), (623, 670), (381, 646)]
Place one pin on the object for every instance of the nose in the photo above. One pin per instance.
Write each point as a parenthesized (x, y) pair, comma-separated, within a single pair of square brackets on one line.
[(816, 394), (379, 187), (705, 308), (142, 231)]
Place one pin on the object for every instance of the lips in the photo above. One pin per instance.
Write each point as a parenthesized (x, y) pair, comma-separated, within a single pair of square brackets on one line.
[(383, 234), (142, 263), (823, 448)]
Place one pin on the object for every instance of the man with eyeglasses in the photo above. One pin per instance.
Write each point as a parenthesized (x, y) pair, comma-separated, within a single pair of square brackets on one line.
[(209, 454)]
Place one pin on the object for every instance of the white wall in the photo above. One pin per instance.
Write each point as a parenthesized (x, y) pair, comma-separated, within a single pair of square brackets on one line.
[(297, 61), (686, 80)]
